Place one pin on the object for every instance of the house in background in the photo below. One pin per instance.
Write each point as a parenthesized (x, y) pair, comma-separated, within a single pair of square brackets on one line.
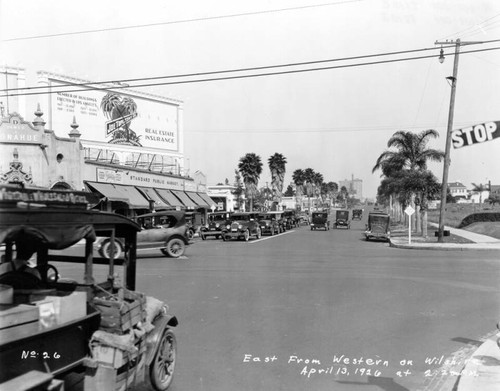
[(458, 190)]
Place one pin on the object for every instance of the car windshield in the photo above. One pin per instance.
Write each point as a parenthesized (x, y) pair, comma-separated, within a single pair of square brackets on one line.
[(239, 217), (266, 217), (217, 217), (342, 214), (382, 220)]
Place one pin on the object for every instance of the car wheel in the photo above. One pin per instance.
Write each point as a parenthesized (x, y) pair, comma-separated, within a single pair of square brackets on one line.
[(259, 233), (105, 250), (175, 248), (272, 231), (224, 238), (189, 234), (162, 367), (246, 236), (203, 237)]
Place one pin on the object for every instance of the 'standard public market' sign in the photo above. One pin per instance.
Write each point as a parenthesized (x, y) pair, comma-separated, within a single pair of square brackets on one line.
[(475, 134)]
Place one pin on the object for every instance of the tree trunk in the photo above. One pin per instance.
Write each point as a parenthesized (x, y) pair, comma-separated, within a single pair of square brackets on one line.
[(424, 223)]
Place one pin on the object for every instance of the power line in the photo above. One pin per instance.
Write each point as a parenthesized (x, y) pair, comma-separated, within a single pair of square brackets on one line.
[(181, 21), (246, 76), (481, 25), (93, 84)]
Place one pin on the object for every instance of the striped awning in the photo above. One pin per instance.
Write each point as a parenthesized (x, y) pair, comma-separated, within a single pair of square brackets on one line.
[(152, 195), (188, 202), (200, 202), (128, 194), (169, 198)]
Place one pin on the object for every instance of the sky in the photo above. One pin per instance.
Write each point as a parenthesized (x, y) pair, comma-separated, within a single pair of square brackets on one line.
[(336, 121)]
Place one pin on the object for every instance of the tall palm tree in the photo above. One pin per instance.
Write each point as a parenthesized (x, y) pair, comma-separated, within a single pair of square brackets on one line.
[(309, 184), (298, 178), (250, 167), (332, 189), (277, 163), (318, 181), (410, 152)]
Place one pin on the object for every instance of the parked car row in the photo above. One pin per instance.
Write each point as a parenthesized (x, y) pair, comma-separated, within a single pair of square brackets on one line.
[(244, 225)]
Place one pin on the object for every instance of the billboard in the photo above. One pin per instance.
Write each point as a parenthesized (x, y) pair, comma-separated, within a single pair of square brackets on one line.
[(475, 134), (115, 117)]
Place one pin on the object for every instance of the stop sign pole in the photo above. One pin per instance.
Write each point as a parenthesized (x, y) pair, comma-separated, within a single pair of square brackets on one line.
[(409, 211)]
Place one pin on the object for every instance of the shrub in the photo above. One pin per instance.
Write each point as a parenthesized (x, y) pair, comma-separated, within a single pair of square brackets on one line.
[(476, 217)]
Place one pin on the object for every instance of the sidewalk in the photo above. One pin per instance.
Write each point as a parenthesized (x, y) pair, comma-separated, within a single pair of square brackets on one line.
[(482, 370), (480, 242)]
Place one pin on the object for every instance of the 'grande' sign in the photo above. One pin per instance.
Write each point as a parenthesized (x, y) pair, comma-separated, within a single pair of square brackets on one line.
[(475, 134)]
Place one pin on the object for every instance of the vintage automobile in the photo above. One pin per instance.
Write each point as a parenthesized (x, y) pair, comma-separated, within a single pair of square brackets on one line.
[(242, 225), (50, 327), (166, 230), (216, 222), (378, 226), (268, 223), (291, 220), (320, 220), (357, 214), (342, 219)]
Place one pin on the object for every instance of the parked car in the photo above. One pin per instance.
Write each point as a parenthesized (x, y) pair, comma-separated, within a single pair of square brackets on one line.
[(291, 220), (378, 226), (242, 225), (342, 219), (166, 230), (357, 214), (280, 218), (320, 220), (193, 223), (215, 223), (269, 224)]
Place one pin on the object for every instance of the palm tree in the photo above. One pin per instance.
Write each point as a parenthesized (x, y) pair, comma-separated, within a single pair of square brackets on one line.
[(332, 189), (277, 163), (479, 189), (309, 184), (410, 152), (250, 167), (318, 181), (298, 179)]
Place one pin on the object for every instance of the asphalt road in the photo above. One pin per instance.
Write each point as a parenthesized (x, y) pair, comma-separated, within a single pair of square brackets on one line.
[(364, 315), (322, 310)]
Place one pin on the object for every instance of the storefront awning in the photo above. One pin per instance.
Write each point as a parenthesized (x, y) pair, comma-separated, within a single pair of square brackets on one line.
[(152, 195), (107, 190), (128, 194), (200, 202), (188, 202), (135, 199), (207, 199), (169, 198)]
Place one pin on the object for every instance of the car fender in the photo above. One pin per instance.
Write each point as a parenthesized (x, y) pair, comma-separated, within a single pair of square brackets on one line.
[(153, 338), (184, 239)]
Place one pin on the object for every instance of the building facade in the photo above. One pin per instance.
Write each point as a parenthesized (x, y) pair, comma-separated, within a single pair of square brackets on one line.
[(354, 187), (126, 146)]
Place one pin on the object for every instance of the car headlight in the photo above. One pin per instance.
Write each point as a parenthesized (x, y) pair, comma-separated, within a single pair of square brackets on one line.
[(228, 226), (240, 226), (217, 225)]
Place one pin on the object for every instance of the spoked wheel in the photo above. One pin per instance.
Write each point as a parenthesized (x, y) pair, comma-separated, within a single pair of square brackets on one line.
[(175, 248), (161, 371), (259, 233), (107, 248), (246, 236), (203, 237)]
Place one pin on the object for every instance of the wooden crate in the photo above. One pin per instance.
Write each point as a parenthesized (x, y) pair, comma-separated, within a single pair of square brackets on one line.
[(118, 315), (17, 321)]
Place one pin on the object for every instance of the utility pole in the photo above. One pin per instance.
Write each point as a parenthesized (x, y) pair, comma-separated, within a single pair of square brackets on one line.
[(453, 79)]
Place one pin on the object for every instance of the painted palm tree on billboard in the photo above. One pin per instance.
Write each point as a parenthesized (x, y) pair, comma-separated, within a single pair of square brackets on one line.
[(120, 111)]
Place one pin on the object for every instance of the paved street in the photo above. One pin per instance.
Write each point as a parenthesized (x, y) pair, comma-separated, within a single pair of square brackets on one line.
[(304, 299)]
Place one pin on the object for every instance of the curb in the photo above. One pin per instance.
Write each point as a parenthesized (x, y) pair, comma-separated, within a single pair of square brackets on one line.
[(445, 247)]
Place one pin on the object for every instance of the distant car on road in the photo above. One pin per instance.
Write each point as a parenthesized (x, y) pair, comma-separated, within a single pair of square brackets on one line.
[(357, 214), (342, 219), (320, 220), (378, 226), (242, 225)]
